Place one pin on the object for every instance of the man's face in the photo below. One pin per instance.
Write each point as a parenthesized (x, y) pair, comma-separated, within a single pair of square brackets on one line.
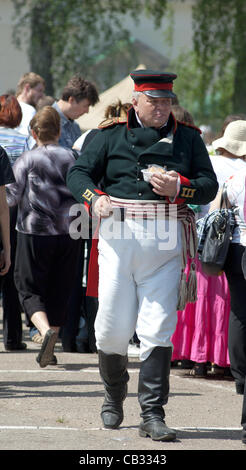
[(77, 109), (152, 112), (34, 94)]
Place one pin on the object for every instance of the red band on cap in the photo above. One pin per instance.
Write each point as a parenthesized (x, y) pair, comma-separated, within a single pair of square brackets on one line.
[(153, 86)]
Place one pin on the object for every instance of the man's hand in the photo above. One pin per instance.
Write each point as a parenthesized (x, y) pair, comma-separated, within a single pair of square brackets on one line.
[(103, 207), (165, 184)]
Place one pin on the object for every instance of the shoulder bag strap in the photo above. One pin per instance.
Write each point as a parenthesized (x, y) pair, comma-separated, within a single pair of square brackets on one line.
[(224, 201)]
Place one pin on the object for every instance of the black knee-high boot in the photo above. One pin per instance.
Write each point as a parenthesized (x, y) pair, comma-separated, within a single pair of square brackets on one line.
[(153, 390), (114, 375), (243, 418)]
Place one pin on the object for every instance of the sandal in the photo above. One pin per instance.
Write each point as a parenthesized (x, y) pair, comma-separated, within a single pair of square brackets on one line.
[(199, 370), (45, 357)]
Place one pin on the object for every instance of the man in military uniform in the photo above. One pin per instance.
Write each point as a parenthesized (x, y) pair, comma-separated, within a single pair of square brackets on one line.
[(139, 282)]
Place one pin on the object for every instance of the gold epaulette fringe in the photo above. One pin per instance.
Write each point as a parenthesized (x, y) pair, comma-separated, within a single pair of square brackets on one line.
[(112, 121)]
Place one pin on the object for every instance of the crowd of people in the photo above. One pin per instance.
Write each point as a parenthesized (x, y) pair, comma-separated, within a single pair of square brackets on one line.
[(48, 165)]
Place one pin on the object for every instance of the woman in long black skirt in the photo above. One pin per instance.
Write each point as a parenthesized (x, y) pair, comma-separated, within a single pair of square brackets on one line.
[(47, 256)]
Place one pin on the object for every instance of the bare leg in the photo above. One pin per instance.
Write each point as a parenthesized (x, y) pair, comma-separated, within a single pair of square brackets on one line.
[(40, 320)]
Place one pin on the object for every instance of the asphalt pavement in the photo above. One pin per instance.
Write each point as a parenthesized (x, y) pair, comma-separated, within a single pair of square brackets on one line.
[(58, 409)]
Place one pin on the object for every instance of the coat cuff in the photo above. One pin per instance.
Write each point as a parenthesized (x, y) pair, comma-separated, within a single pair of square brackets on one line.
[(87, 198), (184, 191)]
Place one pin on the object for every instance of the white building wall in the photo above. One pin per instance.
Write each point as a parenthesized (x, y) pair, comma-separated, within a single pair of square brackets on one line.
[(182, 30), (14, 62)]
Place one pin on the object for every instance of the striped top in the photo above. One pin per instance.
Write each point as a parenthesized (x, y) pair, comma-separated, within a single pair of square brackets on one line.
[(13, 143)]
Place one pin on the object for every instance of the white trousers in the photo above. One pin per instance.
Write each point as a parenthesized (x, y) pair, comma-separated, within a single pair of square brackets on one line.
[(138, 286)]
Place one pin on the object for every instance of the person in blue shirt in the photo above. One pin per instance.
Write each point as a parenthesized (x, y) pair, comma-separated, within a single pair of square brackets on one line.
[(76, 98)]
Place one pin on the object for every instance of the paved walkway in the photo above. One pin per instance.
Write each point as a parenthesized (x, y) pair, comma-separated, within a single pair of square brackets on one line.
[(58, 408)]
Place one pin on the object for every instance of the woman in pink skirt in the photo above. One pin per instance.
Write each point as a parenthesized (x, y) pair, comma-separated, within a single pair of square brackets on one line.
[(202, 328), (201, 334)]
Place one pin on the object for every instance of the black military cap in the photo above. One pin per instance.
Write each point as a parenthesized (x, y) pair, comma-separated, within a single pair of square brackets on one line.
[(154, 83)]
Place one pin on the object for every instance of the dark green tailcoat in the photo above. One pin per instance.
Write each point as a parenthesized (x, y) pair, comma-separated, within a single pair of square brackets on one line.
[(119, 152)]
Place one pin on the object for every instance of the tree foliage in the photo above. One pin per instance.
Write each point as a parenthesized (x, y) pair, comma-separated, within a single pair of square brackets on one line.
[(212, 77), (219, 37), (209, 103), (68, 35)]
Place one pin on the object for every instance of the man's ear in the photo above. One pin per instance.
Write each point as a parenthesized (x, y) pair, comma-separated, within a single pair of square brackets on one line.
[(71, 100), (134, 102)]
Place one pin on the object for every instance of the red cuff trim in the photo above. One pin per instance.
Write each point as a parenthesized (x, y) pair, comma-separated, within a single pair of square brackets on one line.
[(183, 181), (98, 191), (186, 182)]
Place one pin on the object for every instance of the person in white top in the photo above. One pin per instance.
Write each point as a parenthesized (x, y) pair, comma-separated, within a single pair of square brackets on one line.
[(233, 144), (30, 89)]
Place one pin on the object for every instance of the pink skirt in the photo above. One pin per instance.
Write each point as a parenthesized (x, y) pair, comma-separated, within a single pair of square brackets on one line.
[(201, 333)]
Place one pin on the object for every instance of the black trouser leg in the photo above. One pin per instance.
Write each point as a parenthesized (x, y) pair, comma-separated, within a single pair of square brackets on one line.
[(243, 419), (115, 377), (74, 308), (237, 349), (237, 322), (12, 321), (153, 390)]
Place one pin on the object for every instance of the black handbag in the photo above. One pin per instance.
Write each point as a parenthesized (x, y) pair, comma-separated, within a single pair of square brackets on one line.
[(218, 238)]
